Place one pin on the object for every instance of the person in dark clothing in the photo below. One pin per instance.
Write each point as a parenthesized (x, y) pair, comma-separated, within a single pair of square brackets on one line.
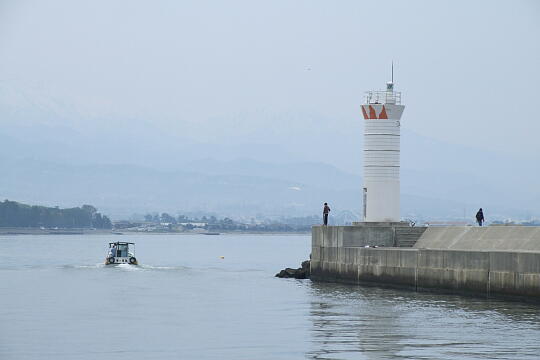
[(480, 217), (325, 212)]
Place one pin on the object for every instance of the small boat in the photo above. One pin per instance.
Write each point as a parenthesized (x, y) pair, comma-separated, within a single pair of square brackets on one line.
[(121, 252)]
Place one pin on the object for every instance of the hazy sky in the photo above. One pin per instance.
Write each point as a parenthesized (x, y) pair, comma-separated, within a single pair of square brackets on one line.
[(218, 71)]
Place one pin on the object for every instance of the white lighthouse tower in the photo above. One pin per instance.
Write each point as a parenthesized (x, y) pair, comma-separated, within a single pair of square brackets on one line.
[(382, 114)]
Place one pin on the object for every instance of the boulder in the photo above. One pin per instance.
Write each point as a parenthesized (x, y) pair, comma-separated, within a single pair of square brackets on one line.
[(300, 273)]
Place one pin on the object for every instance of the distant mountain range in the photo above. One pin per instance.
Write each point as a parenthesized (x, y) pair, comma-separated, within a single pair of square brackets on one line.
[(53, 156), (242, 187)]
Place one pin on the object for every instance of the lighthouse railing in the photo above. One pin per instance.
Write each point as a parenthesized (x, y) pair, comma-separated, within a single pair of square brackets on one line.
[(383, 97)]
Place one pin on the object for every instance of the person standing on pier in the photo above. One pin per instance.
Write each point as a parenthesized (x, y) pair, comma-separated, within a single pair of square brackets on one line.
[(325, 212), (480, 217)]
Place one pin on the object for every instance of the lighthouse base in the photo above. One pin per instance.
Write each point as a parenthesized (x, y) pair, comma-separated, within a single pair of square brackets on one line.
[(381, 198)]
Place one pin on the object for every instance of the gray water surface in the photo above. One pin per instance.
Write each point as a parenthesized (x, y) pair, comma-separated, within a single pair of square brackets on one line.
[(57, 301)]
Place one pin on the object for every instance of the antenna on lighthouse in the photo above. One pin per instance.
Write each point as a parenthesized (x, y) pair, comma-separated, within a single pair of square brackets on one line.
[(390, 84)]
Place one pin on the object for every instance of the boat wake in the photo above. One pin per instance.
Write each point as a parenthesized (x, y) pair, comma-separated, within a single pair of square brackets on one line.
[(72, 266), (164, 268), (126, 267)]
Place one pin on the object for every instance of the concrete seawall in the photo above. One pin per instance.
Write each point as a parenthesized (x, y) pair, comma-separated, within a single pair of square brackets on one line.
[(339, 254), (376, 234), (504, 238)]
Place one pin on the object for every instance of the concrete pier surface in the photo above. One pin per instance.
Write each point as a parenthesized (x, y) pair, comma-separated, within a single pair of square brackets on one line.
[(490, 261), (503, 238)]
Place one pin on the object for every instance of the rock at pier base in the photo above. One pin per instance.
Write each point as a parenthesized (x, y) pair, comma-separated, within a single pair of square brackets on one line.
[(300, 273)]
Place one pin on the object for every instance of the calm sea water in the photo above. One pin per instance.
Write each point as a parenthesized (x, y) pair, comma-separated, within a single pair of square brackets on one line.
[(57, 301)]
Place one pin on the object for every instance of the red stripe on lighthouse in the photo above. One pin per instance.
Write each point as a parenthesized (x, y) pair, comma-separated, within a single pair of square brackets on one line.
[(383, 114), (372, 113), (365, 113)]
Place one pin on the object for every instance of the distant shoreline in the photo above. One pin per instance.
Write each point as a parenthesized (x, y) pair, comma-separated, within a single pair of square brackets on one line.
[(232, 232), (37, 231)]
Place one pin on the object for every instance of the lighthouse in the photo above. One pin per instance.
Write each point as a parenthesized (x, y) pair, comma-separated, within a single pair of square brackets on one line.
[(382, 120)]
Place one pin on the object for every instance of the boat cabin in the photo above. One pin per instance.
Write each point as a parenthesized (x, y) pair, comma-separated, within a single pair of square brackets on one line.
[(121, 252)]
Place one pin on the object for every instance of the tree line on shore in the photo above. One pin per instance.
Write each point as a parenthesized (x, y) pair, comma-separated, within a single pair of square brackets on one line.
[(14, 214)]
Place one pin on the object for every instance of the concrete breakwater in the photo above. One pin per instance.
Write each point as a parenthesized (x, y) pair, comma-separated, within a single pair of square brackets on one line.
[(489, 261)]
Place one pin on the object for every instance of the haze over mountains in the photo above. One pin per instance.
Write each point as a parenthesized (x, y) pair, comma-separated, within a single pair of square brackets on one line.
[(139, 168), (245, 107)]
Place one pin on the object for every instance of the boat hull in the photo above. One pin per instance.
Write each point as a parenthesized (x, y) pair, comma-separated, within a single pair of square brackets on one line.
[(121, 260)]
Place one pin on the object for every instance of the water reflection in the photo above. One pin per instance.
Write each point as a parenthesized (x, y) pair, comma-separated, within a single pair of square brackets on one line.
[(354, 322)]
